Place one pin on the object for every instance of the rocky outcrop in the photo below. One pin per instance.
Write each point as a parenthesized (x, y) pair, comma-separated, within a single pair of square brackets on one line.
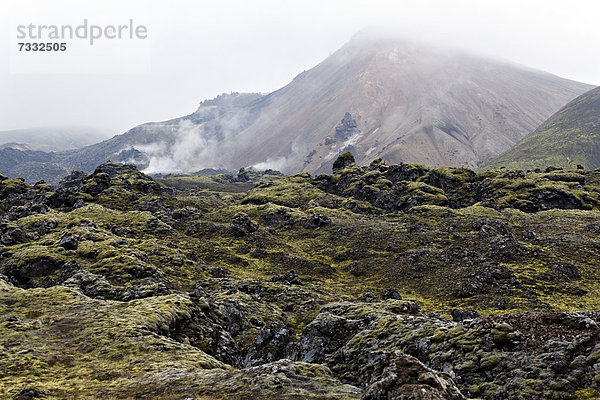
[(405, 377), (242, 225), (346, 128), (404, 186)]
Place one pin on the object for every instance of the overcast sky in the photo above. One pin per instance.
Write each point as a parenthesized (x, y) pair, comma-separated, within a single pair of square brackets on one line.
[(198, 49)]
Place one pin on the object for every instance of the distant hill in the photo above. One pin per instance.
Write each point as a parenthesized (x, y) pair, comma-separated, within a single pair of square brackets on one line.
[(569, 138), (18, 146), (53, 138), (31, 165)]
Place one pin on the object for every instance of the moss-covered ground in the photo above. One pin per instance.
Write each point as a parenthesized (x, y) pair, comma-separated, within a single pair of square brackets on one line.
[(111, 327)]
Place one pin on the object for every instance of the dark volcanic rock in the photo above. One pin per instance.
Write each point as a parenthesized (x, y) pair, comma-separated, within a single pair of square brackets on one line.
[(30, 393), (242, 225), (491, 227), (62, 198), (69, 242), (555, 198), (219, 272), (13, 234), (34, 273), (368, 297), (69, 269), (39, 206), (565, 271), (270, 345), (405, 377), (97, 183), (141, 291), (115, 169), (289, 277), (92, 285), (74, 180), (485, 277), (461, 315), (325, 334), (317, 221), (279, 218), (343, 161), (389, 293), (346, 128)]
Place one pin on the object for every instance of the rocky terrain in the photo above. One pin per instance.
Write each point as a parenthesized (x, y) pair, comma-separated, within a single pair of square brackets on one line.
[(379, 96), (377, 282), (568, 139)]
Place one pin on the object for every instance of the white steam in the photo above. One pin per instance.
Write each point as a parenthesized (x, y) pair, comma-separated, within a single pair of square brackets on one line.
[(189, 147), (281, 163), (188, 150)]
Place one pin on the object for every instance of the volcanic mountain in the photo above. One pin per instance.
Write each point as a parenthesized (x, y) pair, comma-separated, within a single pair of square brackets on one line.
[(569, 138), (378, 96)]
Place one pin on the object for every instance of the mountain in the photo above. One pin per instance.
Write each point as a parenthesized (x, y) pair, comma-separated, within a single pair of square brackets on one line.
[(568, 138), (180, 144), (406, 102), (410, 102), (53, 138), (379, 96)]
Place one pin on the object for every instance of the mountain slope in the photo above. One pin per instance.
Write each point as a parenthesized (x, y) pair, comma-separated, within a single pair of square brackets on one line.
[(180, 144), (569, 138)]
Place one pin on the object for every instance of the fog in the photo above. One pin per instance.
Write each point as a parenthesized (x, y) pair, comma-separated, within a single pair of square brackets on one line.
[(196, 50)]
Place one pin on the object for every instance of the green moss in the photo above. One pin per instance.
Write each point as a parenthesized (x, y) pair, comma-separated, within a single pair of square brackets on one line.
[(586, 394), (84, 338), (293, 191)]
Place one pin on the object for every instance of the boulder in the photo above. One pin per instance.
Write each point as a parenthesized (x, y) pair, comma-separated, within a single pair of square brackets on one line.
[(405, 377), (242, 225), (13, 234), (343, 160), (290, 277), (69, 242), (389, 293), (462, 315), (317, 221)]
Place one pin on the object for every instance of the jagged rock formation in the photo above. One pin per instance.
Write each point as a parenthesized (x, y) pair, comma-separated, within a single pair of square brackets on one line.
[(403, 186), (345, 129)]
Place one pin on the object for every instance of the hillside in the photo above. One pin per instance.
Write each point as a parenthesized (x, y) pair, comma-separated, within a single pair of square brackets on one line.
[(371, 282), (569, 138)]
